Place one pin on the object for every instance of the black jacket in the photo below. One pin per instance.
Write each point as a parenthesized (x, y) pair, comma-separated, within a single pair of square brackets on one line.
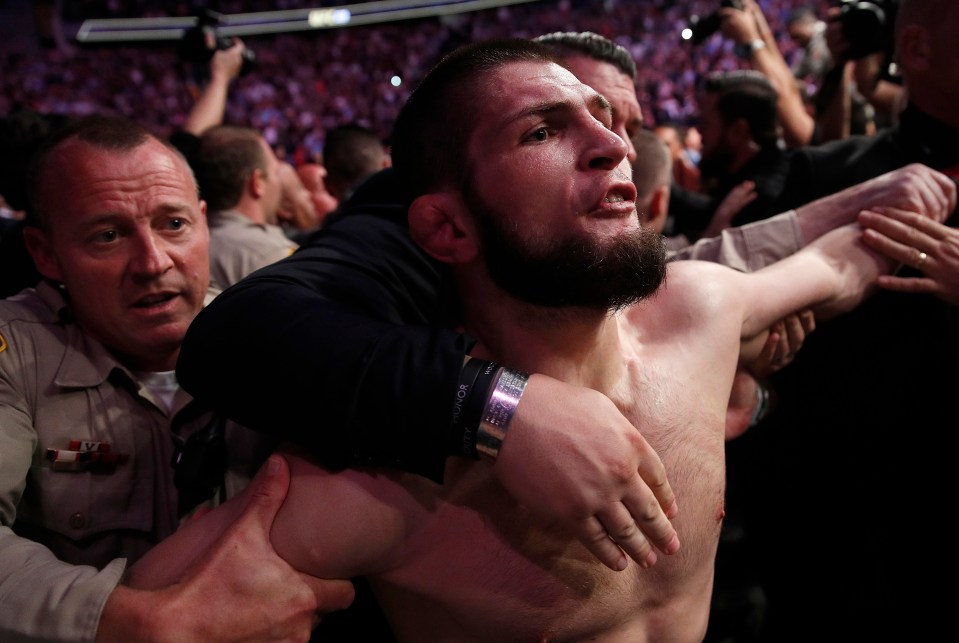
[(345, 347)]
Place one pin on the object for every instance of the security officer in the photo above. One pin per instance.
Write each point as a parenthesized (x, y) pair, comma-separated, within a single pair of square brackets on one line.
[(91, 415)]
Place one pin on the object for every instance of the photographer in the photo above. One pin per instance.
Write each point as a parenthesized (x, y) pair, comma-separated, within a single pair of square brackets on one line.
[(756, 44), (860, 38), (225, 66)]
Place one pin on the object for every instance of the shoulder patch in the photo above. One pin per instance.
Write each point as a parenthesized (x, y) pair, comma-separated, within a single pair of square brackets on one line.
[(3, 344)]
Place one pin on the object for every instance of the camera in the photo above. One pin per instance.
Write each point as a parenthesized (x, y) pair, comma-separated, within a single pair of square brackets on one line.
[(200, 42), (868, 26), (702, 28)]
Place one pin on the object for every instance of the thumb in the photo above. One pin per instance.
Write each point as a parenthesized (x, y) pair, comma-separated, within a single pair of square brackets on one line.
[(270, 486), (331, 595)]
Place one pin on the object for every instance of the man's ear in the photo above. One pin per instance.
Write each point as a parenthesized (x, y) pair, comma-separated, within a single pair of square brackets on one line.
[(439, 224), (39, 247), (659, 208), (255, 182)]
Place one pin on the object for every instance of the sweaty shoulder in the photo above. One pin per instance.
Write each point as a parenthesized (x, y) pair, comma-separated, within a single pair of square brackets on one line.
[(697, 283), (692, 295)]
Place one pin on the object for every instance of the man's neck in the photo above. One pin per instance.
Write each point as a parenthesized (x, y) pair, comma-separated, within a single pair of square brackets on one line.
[(575, 345)]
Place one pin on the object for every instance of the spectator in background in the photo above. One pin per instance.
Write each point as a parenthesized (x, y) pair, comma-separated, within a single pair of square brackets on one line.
[(757, 47), (685, 173), (297, 211), (351, 154), (209, 108), (240, 180), (814, 59), (693, 145), (741, 142), (313, 176)]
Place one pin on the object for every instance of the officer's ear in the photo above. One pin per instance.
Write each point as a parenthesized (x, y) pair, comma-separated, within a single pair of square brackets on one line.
[(441, 225), (41, 250), (658, 208)]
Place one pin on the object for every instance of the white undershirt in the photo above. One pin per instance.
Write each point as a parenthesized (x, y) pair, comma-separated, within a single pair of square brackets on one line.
[(163, 385)]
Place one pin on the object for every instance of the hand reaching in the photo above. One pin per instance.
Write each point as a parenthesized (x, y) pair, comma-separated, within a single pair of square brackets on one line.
[(916, 241), (571, 456)]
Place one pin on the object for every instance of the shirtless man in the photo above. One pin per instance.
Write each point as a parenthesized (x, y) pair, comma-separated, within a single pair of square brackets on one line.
[(522, 188)]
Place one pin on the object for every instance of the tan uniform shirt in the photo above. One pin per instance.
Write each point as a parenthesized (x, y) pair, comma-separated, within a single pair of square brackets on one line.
[(238, 247), (86, 482)]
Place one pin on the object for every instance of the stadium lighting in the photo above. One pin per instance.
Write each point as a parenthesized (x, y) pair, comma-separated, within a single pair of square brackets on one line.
[(273, 22)]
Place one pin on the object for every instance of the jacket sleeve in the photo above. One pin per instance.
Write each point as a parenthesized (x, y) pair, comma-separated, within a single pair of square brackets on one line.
[(344, 348)]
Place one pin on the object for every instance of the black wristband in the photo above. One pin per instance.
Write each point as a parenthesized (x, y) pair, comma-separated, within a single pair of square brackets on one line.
[(475, 385)]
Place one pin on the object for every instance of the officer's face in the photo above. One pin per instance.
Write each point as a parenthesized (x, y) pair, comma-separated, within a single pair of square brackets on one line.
[(618, 89), (127, 237)]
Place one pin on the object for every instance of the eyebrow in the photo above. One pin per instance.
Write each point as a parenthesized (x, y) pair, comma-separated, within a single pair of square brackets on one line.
[(595, 101), (164, 209)]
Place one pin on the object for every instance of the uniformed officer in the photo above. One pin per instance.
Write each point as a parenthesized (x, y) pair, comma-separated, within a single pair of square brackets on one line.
[(91, 415)]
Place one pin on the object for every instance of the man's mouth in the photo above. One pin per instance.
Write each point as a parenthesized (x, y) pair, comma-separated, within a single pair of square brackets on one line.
[(154, 300)]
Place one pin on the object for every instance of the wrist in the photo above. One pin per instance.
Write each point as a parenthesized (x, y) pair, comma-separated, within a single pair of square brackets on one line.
[(748, 49), (499, 411), (763, 405), (476, 382), (132, 615)]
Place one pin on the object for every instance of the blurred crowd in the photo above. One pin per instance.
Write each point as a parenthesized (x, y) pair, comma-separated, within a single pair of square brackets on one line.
[(307, 83)]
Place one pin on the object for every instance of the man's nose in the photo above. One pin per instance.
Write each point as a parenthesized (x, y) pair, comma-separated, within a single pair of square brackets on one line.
[(607, 149), (151, 256)]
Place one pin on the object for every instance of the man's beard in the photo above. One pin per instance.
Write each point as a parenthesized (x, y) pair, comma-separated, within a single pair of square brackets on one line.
[(574, 271)]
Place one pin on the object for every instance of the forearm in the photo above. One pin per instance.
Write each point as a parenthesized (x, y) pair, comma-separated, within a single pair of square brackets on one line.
[(798, 126), (47, 599), (210, 107), (853, 266)]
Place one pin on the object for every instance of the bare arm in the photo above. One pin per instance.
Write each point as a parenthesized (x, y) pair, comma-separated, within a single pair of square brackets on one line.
[(219, 578), (749, 25), (210, 107), (832, 275)]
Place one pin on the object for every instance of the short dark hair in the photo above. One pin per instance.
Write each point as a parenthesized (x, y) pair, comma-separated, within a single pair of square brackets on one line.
[(434, 126), (749, 95), (351, 152), (224, 160), (592, 45), (112, 133)]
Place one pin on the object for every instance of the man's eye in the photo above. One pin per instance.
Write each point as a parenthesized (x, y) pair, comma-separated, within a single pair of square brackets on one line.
[(107, 236), (539, 135), (176, 224)]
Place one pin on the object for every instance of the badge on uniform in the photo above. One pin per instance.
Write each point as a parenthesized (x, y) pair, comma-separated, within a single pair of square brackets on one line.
[(86, 455), (3, 344)]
